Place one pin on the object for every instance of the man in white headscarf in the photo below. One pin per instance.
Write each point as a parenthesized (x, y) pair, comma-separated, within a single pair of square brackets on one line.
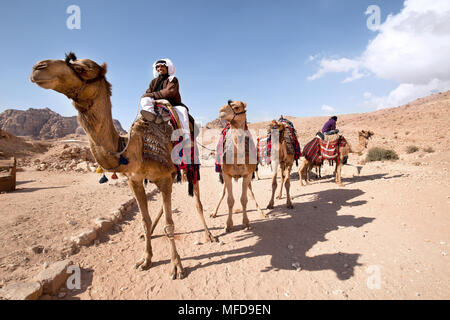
[(165, 86)]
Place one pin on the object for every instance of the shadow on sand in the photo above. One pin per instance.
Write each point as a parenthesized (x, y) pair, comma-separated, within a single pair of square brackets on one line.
[(300, 228)]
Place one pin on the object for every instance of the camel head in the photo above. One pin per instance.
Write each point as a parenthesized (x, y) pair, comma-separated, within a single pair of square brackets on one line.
[(233, 110), (277, 125), (77, 79), (365, 136)]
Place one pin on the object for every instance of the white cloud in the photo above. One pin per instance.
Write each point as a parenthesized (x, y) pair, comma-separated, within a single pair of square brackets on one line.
[(327, 108), (367, 95), (405, 93), (411, 47)]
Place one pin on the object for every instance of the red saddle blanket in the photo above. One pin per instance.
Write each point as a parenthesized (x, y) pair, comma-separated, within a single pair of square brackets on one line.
[(329, 150)]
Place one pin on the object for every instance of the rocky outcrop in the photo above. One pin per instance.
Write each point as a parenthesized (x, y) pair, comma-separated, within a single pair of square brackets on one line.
[(216, 124), (42, 124)]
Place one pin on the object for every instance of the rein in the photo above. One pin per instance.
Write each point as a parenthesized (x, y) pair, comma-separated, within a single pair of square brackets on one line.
[(234, 112)]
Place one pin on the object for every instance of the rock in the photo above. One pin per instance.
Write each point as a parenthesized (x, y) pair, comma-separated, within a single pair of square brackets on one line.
[(54, 277), (103, 224), (116, 216), (36, 249), (290, 247), (83, 167), (85, 238), (21, 291)]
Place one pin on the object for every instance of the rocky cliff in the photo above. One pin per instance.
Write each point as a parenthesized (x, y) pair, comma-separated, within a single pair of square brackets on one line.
[(42, 124)]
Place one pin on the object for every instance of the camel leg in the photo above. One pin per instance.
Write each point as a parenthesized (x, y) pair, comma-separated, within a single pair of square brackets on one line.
[(287, 184), (338, 173), (230, 200), (208, 236), (303, 172), (214, 214), (244, 200), (169, 229), (158, 216), (283, 178), (252, 196), (274, 187), (139, 193)]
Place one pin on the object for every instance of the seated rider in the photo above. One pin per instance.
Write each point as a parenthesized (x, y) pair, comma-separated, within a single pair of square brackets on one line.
[(165, 86), (330, 126)]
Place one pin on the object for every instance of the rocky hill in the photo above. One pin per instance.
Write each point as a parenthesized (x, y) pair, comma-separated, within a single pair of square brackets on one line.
[(42, 124), (217, 123)]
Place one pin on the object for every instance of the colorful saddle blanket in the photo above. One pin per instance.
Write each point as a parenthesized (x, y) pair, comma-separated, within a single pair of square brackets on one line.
[(250, 148), (184, 153), (263, 146), (311, 151)]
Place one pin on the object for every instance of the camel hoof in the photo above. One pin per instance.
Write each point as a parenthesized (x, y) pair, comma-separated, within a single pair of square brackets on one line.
[(278, 197), (175, 274), (290, 206), (270, 206), (228, 229), (210, 238), (143, 264)]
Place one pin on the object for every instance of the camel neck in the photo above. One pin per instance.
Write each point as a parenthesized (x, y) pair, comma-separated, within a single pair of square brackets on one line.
[(98, 124), (238, 124)]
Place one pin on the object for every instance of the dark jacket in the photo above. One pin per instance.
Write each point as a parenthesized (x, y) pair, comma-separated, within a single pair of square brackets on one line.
[(329, 125), (169, 92)]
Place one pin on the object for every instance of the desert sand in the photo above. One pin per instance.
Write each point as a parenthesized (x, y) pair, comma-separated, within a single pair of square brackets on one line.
[(384, 235)]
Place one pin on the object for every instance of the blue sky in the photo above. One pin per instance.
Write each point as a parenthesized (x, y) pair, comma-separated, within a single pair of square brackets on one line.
[(261, 52)]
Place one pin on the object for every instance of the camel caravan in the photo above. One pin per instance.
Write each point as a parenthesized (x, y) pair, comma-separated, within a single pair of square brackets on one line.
[(160, 147)]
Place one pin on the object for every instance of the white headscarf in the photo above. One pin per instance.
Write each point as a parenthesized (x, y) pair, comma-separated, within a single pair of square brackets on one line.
[(170, 69)]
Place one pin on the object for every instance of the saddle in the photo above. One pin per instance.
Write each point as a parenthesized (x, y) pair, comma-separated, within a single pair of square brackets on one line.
[(167, 112)]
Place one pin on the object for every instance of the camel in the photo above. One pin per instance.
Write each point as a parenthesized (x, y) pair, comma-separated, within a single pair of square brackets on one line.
[(307, 172), (85, 83), (235, 113), (344, 151), (280, 157)]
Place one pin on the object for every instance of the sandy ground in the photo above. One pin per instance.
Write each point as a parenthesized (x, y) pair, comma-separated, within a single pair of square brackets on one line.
[(382, 236)]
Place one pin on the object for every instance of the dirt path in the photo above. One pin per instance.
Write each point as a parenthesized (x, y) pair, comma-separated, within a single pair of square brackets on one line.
[(383, 236)]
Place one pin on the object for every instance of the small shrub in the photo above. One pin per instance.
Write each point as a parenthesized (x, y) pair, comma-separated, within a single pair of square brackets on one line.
[(428, 149), (378, 154), (412, 149)]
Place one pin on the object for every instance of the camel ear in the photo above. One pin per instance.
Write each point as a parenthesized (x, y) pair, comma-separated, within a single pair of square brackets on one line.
[(80, 69), (104, 67), (244, 104)]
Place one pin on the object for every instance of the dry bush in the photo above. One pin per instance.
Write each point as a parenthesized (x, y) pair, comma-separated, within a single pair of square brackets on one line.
[(379, 154), (411, 149)]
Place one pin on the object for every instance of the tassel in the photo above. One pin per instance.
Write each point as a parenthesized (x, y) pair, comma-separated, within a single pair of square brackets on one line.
[(103, 179), (123, 160), (191, 189), (99, 170), (178, 179), (221, 178), (114, 176)]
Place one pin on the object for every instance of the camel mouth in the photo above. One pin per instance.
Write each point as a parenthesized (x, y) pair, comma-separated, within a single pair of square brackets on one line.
[(222, 115)]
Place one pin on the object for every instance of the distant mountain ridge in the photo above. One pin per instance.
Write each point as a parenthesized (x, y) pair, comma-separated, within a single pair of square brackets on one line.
[(42, 124)]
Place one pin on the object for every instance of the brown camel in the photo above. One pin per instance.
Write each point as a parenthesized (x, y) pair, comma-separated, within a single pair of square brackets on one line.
[(280, 156), (84, 82), (344, 151), (234, 113)]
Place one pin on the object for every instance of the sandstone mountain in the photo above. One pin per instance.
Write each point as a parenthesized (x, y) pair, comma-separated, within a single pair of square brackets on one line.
[(42, 124), (217, 123)]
